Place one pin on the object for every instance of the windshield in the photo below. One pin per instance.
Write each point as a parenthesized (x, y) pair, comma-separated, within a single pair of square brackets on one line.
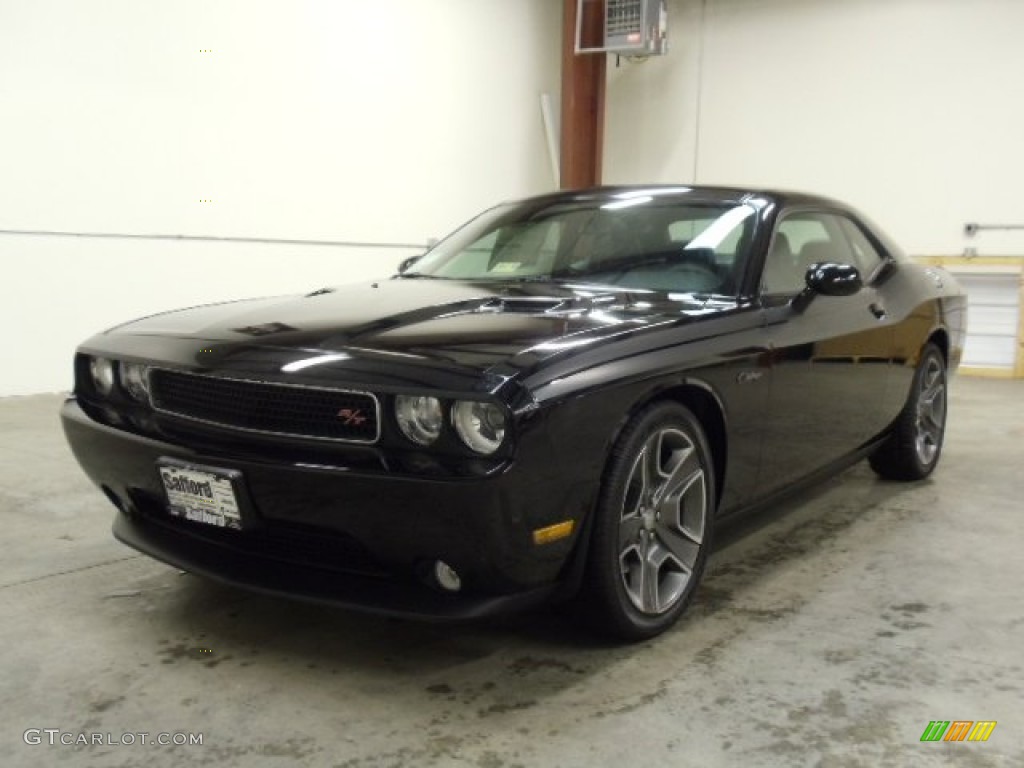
[(630, 240)]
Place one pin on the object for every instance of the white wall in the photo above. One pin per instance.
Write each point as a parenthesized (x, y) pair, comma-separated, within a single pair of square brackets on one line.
[(908, 109), (333, 120)]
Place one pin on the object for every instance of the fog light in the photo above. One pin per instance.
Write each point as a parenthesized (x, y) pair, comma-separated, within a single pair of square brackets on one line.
[(446, 577)]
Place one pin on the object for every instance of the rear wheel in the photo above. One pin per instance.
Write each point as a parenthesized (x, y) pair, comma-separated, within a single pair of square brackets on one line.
[(653, 524), (913, 448)]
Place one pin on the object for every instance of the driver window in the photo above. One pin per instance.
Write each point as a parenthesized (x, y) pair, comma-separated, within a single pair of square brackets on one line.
[(866, 258), (802, 239)]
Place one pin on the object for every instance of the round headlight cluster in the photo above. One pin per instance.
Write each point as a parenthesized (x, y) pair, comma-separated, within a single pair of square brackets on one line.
[(102, 372), (480, 425), (134, 381), (419, 417)]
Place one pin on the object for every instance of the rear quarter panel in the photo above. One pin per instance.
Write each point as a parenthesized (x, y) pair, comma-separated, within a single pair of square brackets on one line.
[(924, 303)]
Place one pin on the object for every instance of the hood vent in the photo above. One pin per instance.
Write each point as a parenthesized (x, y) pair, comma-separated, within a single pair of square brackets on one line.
[(533, 306)]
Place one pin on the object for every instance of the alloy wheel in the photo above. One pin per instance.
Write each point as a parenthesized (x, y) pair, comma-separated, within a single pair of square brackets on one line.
[(661, 527), (931, 412)]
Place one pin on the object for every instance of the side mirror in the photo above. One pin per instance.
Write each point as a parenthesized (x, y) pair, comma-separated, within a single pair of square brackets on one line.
[(833, 279), (828, 279)]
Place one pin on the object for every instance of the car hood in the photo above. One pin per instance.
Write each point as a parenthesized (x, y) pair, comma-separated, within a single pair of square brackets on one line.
[(465, 325)]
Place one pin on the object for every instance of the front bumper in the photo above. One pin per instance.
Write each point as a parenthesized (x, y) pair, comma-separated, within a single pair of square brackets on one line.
[(390, 597), (343, 535)]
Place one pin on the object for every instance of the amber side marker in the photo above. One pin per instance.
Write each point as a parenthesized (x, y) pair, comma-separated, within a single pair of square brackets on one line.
[(553, 532)]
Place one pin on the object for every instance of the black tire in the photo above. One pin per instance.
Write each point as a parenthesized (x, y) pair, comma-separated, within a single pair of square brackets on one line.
[(655, 524), (914, 446)]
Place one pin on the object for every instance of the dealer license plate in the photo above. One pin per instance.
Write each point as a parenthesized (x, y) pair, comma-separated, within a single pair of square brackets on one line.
[(201, 494)]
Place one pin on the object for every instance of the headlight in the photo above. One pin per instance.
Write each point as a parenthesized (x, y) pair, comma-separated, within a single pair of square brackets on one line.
[(134, 381), (480, 425), (102, 371), (419, 417)]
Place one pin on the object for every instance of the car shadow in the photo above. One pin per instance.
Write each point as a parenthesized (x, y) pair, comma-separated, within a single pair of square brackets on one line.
[(495, 666), (748, 547)]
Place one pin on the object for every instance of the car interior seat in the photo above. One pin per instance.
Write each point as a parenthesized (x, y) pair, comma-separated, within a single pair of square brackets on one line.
[(781, 270)]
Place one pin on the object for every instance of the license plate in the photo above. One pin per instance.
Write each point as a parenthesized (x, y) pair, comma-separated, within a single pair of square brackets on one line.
[(201, 494)]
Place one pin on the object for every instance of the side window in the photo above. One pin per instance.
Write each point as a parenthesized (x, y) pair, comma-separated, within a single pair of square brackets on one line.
[(866, 256), (802, 239), (803, 230)]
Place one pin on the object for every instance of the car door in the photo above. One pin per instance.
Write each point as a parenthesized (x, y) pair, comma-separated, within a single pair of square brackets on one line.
[(830, 356)]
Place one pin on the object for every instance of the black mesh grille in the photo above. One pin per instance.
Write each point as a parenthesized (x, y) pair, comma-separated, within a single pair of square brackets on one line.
[(285, 409)]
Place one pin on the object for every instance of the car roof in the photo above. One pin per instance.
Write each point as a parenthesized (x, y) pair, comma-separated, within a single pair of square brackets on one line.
[(723, 194)]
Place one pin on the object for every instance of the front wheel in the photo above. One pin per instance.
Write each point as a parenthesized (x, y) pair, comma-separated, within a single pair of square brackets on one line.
[(912, 449), (652, 529)]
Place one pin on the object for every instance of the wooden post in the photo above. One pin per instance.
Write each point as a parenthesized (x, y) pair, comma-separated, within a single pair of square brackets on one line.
[(583, 82)]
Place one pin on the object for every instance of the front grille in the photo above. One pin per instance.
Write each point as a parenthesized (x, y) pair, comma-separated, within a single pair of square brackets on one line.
[(255, 406)]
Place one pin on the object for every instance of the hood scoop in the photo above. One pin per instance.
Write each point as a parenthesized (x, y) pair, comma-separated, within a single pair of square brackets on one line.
[(536, 306)]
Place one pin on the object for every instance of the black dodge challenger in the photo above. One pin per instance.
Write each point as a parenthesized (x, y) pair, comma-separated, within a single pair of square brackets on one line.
[(561, 399)]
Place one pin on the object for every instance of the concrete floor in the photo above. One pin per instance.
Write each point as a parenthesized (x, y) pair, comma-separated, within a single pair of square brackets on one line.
[(829, 632)]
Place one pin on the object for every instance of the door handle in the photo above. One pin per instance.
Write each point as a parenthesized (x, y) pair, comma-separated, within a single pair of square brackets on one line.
[(877, 310)]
